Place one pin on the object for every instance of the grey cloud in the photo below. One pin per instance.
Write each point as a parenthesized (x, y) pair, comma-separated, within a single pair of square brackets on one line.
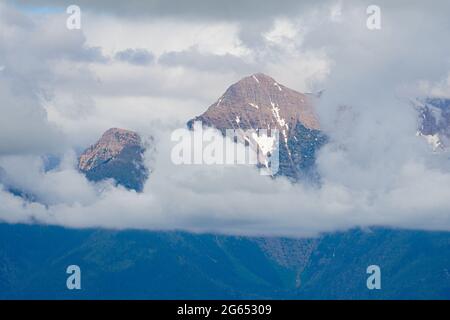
[(29, 53), (192, 58), (90, 54), (2, 175), (194, 9), (135, 56), (23, 124), (232, 10), (26, 38)]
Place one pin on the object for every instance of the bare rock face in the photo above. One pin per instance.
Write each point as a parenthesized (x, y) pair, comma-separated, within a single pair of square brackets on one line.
[(117, 155), (260, 102), (435, 122)]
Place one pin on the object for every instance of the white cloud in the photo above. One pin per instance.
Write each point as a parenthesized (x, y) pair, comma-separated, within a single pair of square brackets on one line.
[(235, 200), (283, 32), (163, 35)]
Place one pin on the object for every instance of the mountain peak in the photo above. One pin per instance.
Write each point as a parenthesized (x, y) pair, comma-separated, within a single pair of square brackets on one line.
[(259, 76), (260, 80), (118, 154), (112, 143), (259, 102), (121, 136)]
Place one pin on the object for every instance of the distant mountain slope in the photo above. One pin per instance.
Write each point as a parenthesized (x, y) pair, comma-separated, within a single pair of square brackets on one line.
[(135, 264), (414, 265), (117, 155), (176, 265), (259, 102)]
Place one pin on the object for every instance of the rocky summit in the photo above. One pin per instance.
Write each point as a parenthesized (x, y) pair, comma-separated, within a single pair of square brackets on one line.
[(260, 102), (117, 155), (435, 122)]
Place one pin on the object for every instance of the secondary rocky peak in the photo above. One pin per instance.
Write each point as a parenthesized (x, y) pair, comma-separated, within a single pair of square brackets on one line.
[(111, 144), (118, 154)]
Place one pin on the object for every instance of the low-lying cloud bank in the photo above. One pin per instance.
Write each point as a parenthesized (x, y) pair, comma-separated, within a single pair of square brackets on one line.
[(236, 199)]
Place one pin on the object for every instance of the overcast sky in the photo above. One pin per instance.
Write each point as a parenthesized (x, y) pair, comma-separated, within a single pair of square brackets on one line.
[(150, 66)]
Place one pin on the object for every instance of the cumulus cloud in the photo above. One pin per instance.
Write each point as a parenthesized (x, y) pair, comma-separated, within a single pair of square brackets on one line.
[(232, 199), (374, 171)]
